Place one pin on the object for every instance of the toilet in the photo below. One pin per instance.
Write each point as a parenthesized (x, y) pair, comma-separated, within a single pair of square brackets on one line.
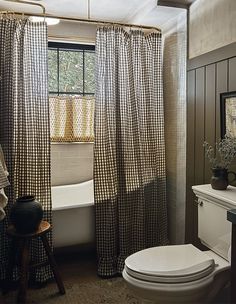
[(183, 273)]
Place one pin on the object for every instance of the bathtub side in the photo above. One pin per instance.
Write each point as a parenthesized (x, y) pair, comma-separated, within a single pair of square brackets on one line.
[(73, 219), (75, 226)]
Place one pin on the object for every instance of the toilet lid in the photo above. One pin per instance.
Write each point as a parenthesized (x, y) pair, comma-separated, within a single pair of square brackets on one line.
[(169, 264)]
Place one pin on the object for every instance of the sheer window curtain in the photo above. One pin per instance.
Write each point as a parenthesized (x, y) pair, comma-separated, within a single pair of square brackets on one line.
[(129, 164), (24, 122), (72, 118)]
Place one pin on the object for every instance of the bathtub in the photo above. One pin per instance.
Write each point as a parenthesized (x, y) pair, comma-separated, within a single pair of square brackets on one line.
[(73, 214)]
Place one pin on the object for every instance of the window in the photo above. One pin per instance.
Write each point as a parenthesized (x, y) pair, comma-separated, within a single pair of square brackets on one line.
[(71, 91)]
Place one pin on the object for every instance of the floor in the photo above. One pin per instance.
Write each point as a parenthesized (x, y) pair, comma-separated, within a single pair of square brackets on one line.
[(83, 286)]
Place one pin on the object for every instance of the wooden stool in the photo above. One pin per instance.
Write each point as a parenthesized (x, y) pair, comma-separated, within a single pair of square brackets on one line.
[(24, 240)]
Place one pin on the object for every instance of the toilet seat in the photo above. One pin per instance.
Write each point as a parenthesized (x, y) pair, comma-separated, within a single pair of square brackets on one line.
[(170, 264), (183, 278)]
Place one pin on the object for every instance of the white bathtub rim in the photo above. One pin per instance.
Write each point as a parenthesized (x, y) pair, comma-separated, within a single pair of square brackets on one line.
[(80, 205), (74, 185), (73, 204)]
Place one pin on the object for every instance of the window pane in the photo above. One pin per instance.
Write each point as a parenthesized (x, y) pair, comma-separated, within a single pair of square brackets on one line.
[(89, 71), (71, 71), (52, 70)]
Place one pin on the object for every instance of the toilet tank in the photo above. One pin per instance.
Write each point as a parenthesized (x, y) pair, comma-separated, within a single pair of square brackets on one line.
[(214, 230)]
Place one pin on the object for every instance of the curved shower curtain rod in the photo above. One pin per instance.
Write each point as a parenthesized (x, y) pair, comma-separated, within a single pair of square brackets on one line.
[(30, 3), (93, 21)]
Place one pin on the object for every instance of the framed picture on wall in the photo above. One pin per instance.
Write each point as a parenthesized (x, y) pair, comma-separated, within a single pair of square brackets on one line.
[(228, 114)]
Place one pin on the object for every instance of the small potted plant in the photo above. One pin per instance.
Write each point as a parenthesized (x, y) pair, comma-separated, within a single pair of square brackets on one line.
[(220, 157)]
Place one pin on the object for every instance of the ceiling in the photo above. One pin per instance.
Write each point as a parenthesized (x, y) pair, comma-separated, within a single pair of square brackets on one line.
[(144, 12)]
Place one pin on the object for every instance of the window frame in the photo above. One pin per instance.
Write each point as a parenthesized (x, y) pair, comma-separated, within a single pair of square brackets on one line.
[(64, 46)]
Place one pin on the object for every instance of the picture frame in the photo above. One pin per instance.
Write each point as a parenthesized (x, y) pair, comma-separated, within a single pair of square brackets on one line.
[(228, 114)]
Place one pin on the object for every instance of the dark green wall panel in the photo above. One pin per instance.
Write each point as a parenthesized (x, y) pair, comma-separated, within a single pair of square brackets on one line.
[(205, 83)]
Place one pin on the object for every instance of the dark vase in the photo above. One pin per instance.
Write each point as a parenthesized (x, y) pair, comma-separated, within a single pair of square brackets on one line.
[(26, 214), (219, 179)]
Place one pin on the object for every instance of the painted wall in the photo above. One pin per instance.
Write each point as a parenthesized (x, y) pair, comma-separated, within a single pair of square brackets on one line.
[(212, 25), (206, 81), (212, 29), (71, 163), (174, 72), (72, 31)]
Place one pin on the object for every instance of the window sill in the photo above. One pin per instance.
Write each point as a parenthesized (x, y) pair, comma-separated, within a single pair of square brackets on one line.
[(71, 143)]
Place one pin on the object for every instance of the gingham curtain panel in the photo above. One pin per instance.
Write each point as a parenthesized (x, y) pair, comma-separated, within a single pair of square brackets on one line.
[(129, 164), (24, 123)]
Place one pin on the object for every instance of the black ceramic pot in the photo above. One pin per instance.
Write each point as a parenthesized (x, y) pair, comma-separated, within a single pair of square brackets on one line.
[(26, 214), (219, 179)]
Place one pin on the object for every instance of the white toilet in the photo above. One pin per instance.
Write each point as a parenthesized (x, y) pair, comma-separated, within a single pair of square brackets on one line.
[(183, 273)]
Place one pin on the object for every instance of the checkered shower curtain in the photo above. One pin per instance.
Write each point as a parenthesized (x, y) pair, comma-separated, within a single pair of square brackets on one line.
[(129, 164), (24, 122)]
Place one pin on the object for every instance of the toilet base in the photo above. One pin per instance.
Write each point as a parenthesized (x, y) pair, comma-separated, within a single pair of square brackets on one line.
[(203, 291)]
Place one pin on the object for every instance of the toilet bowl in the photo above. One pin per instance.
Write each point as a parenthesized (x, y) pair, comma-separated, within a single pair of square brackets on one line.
[(183, 273), (176, 274)]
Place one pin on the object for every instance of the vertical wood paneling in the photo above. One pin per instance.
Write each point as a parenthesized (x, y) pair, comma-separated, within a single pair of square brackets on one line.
[(203, 123), (221, 87), (191, 79), (232, 87), (198, 148), (232, 74), (199, 125), (210, 85)]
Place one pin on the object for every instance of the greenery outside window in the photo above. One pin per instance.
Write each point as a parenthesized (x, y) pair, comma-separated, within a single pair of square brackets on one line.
[(71, 91)]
